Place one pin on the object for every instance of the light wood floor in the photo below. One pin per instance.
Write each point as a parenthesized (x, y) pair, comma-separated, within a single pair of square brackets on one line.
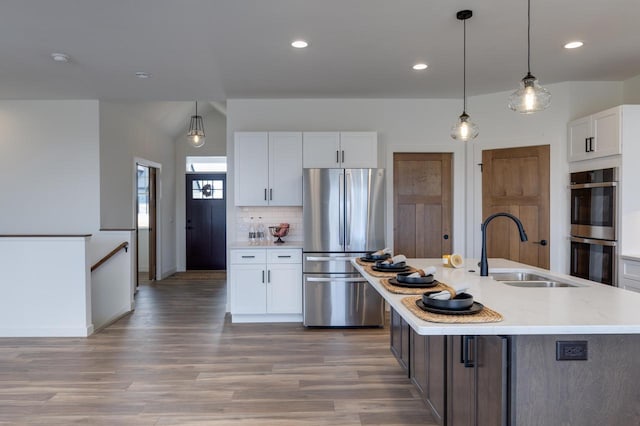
[(178, 360)]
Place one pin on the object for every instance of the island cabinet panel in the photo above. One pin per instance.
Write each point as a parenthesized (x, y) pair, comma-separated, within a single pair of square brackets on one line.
[(603, 390), (477, 391), (428, 371), (399, 333)]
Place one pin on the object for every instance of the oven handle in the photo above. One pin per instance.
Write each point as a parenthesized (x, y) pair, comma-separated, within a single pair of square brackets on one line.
[(329, 259), (593, 185), (592, 241)]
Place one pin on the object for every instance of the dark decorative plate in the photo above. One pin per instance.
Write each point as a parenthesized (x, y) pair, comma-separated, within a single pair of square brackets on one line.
[(394, 281), (396, 265), (374, 257), (404, 277), (474, 309), (390, 269)]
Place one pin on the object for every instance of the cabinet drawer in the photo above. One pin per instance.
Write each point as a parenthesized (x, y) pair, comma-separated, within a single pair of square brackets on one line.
[(631, 270), (284, 256), (248, 256)]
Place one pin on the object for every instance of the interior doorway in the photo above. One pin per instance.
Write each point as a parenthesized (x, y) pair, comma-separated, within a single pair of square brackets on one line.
[(206, 221), (516, 181), (146, 220), (422, 203)]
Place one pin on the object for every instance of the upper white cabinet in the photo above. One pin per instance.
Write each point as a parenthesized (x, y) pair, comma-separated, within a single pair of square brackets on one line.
[(268, 169), (349, 150), (597, 135)]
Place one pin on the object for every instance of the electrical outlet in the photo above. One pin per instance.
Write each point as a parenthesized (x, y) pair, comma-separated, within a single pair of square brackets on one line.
[(571, 350)]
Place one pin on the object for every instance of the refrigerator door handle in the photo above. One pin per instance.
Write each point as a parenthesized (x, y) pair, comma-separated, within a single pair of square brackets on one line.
[(341, 280), (341, 208), (347, 209), (329, 259)]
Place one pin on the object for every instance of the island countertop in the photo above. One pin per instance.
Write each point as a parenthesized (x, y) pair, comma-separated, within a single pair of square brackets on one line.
[(588, 308)]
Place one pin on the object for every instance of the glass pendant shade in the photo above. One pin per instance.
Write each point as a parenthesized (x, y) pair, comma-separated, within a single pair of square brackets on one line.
[(464, 129), (195, 135), (530, 97)]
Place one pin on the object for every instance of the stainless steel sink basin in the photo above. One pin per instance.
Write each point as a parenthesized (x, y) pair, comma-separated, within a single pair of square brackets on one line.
[(517, 276), (527, 279), (532, 284)]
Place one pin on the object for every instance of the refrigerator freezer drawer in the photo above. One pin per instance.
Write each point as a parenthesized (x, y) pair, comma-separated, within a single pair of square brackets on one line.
[(341, 302), (329, 263)]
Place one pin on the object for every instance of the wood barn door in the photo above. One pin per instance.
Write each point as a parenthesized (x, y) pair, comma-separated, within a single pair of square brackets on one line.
[(516, 181), (422, 204)]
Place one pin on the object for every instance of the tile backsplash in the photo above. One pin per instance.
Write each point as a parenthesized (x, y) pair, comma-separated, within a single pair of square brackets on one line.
[(270, 216)]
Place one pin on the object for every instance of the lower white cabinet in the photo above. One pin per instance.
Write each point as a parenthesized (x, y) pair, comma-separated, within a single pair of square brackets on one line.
[(630, 275), (266, 285)]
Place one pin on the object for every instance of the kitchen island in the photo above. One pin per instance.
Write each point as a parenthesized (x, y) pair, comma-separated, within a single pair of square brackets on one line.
[(560, 356)]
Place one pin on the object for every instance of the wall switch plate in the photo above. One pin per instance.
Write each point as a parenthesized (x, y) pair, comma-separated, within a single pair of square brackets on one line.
[(575, 350)]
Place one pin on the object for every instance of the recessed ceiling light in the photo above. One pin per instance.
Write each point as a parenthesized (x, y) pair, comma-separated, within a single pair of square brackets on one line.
[(60, 57), (142, 74), (573, 45), (299, 44), (420, 67)]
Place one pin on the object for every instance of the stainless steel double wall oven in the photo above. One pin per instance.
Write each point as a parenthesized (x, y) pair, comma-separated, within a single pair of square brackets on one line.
[(593, 225)]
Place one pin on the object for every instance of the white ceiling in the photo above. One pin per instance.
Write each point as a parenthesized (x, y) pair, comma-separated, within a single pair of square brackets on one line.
[(218, 49)]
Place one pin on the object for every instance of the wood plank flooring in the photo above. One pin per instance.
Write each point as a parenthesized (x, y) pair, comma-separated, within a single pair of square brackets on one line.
[(178, 360)]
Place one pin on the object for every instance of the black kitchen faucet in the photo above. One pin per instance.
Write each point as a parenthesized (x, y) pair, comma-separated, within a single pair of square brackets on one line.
[(484, 265)]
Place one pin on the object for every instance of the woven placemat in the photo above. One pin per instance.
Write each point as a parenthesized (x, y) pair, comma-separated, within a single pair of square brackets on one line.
[(368, 267), (485, 315), (410, 290)]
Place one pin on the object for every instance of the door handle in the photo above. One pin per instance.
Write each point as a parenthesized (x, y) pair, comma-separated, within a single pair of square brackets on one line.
[(541, 242), (269, 276), (591, 147), (263, 277), (445, 236), (270, 194), (265, 194), (343, 156), (468, 363), (337, 156), (586, 144)]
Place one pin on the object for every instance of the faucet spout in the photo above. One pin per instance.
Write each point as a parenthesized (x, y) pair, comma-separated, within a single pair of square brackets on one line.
[(484, 265)]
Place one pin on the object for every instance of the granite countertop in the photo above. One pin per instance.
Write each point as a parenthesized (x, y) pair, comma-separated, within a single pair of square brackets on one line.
[(268, 244), (590, 308)]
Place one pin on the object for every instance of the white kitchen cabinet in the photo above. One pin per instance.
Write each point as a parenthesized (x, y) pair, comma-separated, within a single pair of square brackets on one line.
[(266, 285), (630, 275), (597, 135), (268, 169), (340, 150)]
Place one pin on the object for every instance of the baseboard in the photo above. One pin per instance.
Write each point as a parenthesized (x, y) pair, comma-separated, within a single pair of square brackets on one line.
[(113, 319), (247, 318), (47, 332), (167, 274)]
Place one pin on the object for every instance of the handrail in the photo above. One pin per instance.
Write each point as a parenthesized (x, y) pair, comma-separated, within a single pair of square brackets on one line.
[(124, 245)]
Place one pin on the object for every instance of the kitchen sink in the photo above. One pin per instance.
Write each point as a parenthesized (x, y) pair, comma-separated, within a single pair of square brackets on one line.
[(517, 276), (527, 279), (532, 284)]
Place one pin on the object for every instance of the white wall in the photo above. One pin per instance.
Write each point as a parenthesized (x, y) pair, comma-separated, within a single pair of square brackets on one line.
[(423, 125), (49, 167), (632, 90), (127, 133), (215, 129)]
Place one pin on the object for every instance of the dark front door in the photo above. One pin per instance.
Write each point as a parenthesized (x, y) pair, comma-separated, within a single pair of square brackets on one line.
[(206, 221)]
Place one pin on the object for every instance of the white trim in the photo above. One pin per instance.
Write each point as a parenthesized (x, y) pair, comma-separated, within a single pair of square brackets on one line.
[(47, 332), (245, 318)]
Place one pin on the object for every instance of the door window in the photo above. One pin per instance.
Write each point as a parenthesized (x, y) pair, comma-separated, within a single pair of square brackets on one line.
[(207, 189)]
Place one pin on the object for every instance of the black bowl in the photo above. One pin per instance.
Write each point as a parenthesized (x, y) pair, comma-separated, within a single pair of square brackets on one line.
[(381, 265), (374, 257), (461, 302), (403, 277)]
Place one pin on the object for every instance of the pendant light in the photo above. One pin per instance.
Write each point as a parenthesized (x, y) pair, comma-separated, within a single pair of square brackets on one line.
[(464, 129), (530, 97), (195, 135)]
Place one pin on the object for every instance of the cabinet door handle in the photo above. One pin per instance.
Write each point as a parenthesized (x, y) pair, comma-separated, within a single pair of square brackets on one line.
[(269, 276), (263, 277), (248, 257), (343, 155), (592, 147), (284, 257), (541, 242), (270, 194), (265, 194), (337, 156), (468, 363), (586, 144)]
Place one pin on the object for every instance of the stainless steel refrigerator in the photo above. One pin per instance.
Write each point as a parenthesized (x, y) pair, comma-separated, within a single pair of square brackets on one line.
[(343, 216)]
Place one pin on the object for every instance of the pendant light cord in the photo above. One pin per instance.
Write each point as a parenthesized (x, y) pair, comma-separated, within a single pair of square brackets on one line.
[(196, 108), (529, 36), (464, 66)]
